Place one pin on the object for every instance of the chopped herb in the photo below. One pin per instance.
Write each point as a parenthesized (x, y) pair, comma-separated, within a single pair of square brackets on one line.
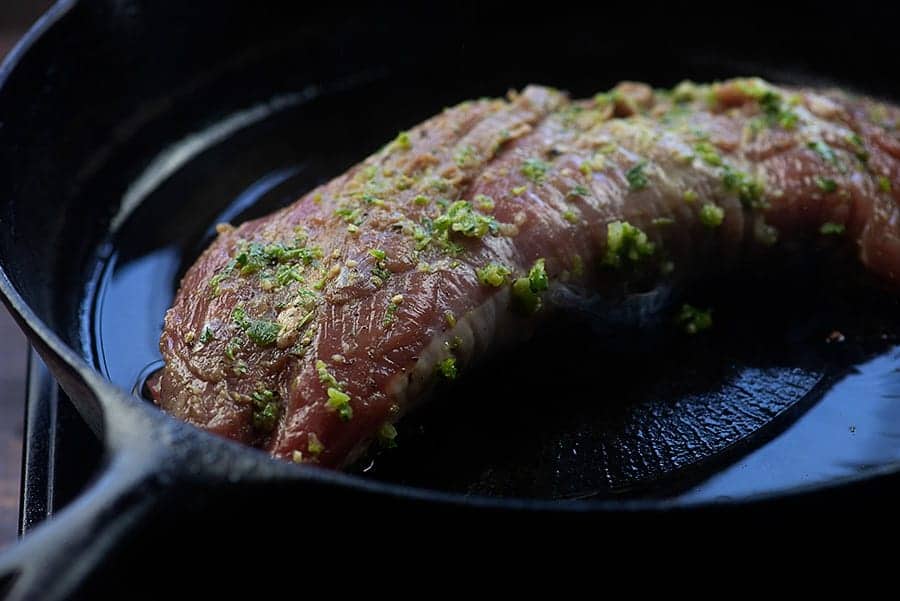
[(830, 228), (439, 184), (537, 277), (462, 219), (771, 104), (570, 216), (402, 141), (207, 335), (585, 168), (266, 410), (636, 177), (535, 170), (251, 259), (694, 320), (579, 190), (351, 216), (447, 368), (711, 215), (379, 254), (484, 203), (233, 346), (340, 402), (884, 183), (450, 318), (684, 91), (337, 398), (823, 150), (859, 147), (262, 332), (749, 190), (239, 316), (663, 221), (313, 444), (404, 182), (390, 314), (690, 196), (625, 241), (519, 190), (370, 199), (604, 99), (352, 228), (526, 290), (421, 200), (524, 297), (219, 277), (826, 185), (325, 377), (787, 119), (493, 274), (465, 156), (287, 274), (708, 153), (264, 419), (387, 435)]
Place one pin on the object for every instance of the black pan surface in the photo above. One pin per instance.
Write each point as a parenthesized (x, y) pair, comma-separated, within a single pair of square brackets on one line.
[(130, 128)]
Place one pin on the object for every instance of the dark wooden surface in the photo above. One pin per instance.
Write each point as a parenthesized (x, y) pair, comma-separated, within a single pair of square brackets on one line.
[(15, 17)]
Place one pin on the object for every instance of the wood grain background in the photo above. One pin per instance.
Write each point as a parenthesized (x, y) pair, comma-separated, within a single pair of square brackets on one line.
[(15, 18)]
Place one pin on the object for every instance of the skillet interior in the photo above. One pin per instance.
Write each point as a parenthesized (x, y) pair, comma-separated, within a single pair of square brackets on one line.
[(161, 74)]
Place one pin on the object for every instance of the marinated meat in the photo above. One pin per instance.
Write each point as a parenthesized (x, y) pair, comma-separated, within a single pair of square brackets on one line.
[(309, 332)]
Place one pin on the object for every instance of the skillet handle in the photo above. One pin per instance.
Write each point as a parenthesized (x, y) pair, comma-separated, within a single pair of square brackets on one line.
[(59, 556)]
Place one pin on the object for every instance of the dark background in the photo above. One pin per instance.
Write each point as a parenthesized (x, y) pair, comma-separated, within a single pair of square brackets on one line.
[(15, 18)]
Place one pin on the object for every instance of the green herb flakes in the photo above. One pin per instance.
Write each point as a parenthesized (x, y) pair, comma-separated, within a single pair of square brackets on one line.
[(387, 435), (465, 157), (832, 229), (749, 190), (265, 411), (340, 402), (693, 320), (526, 290), (313, 444), (462, 219), (711, 215), (826, 184), (626, 242), (484, 203), (447, 368), (493, 274), (637, 179), (262, 332), (823, 150), (402, 141), (708, 153), (535, 170), (325, 376)]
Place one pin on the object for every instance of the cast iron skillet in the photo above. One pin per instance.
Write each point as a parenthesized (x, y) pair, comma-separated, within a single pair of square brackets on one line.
[(90, 106)]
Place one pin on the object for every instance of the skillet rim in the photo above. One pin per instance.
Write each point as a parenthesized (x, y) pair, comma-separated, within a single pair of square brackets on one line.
[(117, 403)]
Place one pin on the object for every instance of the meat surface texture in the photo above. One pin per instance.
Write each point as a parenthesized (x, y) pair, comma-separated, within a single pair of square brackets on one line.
[(309, 332)]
